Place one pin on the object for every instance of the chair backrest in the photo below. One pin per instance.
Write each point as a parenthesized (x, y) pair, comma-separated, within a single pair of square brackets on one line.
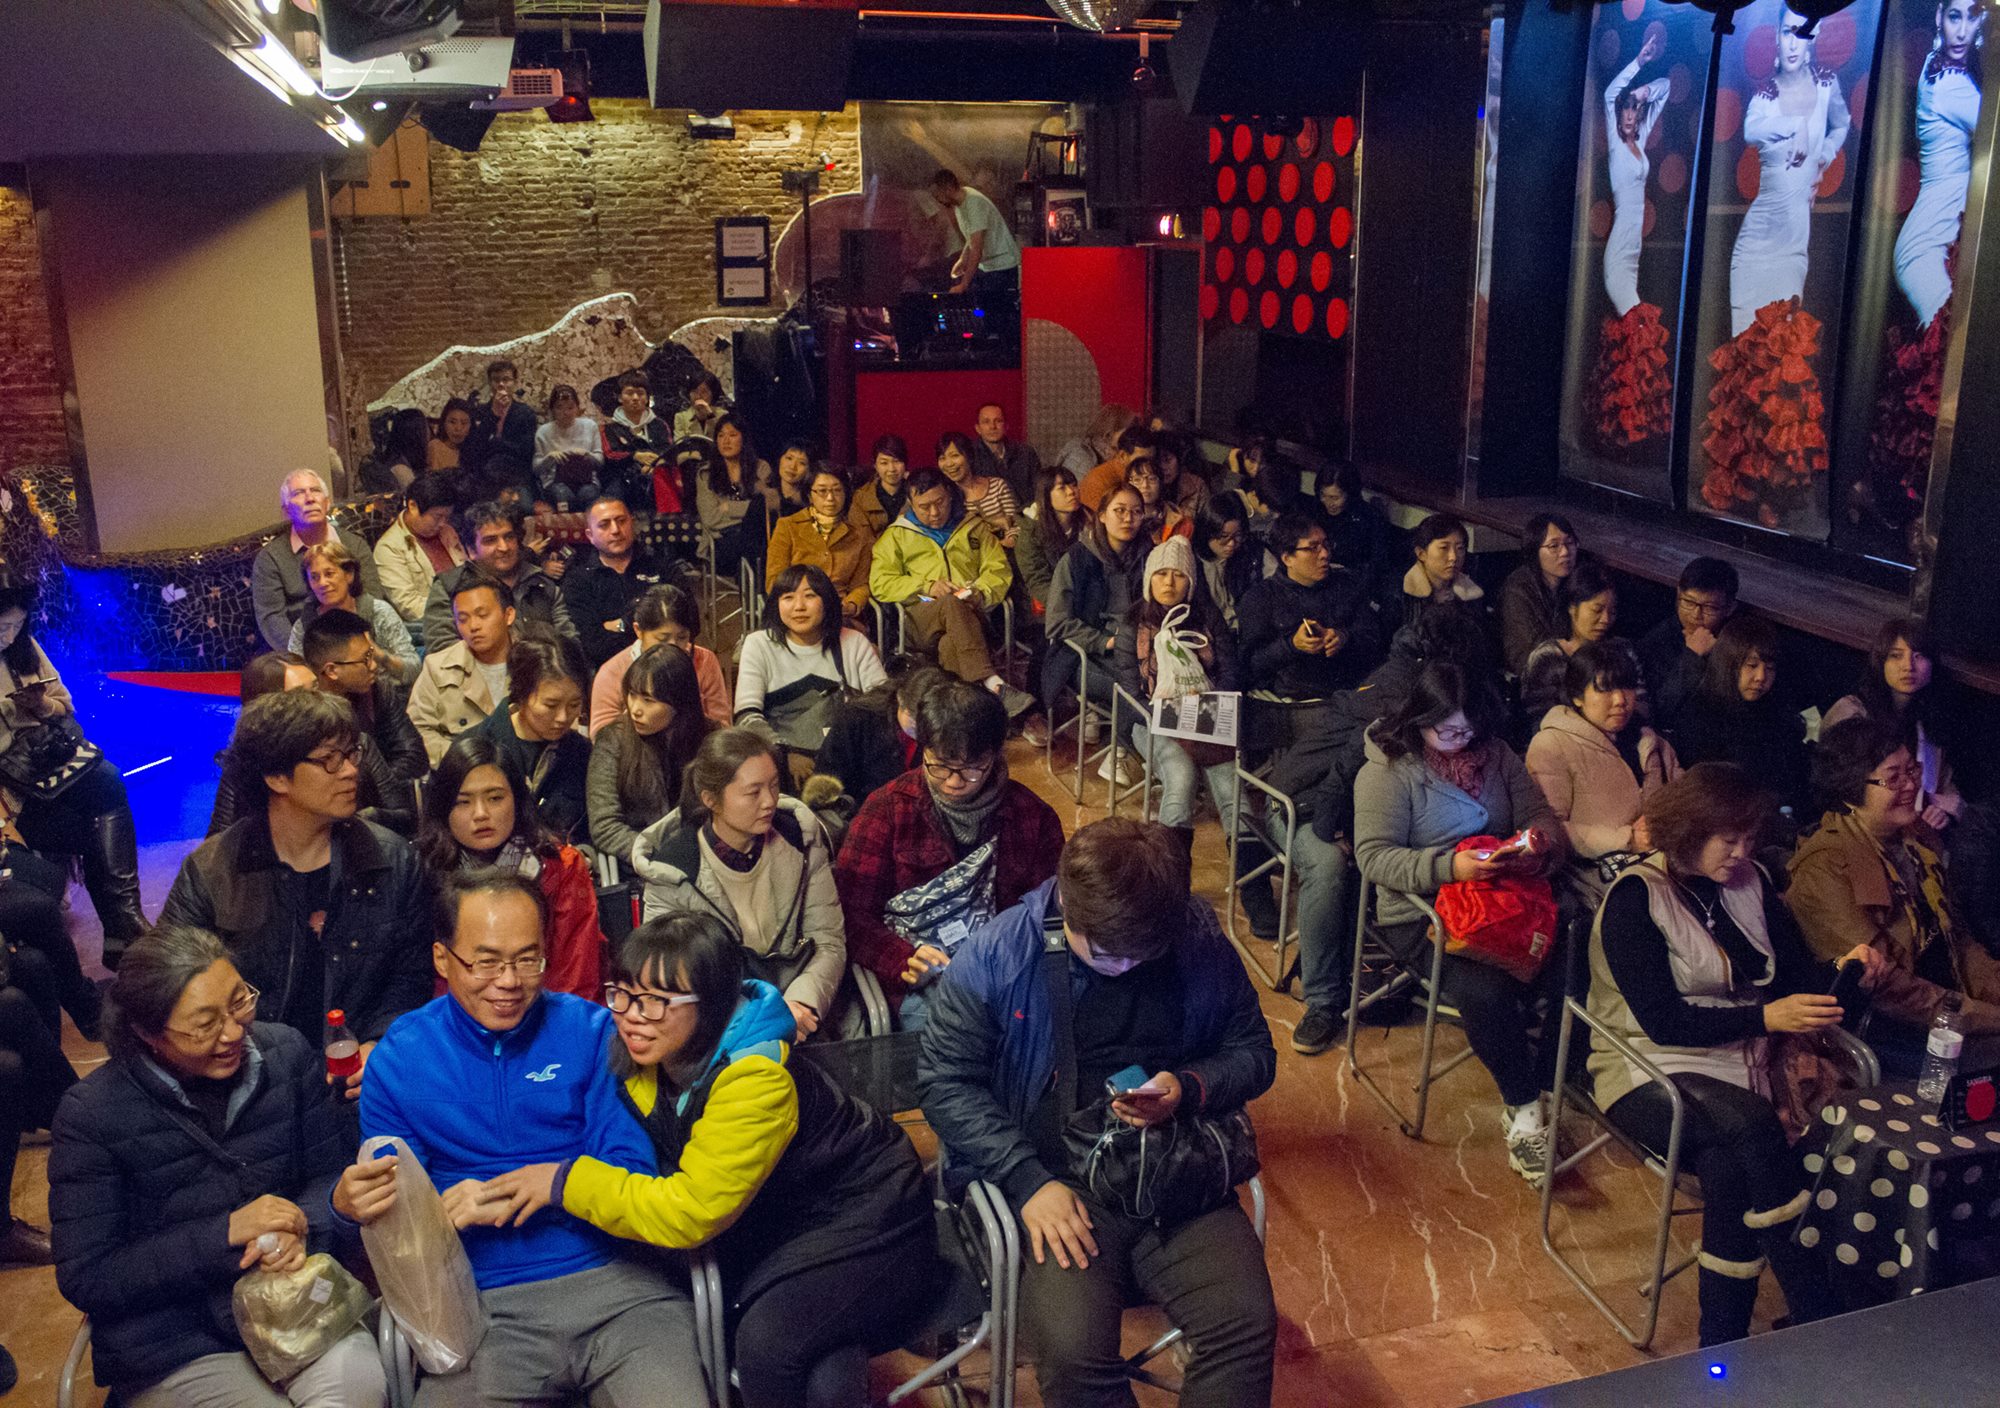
[(880, 1070)]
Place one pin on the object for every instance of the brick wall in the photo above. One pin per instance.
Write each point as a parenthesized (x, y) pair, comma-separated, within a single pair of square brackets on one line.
[(546, 215), (31, 421)]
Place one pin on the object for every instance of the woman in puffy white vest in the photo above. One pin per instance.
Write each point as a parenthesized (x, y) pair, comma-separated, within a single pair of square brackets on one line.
[(1694, 961)]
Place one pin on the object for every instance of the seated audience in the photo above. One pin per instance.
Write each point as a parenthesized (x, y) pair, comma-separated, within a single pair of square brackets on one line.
[(418, 546), (736, 847), (1099, 442), (497, 547), (501, 448), (1437, 772), (1871, 874), (569, 455), (34, 1077), (665, 615), (1529, 614), (795, 466), (1358, 537), (1152, 982), (1232, 562), (1163, 518), (1694, 961), (1137, 445), (453, 427), (1597, 762), (881, 501), (987, 497), (479, 812), (406, 456), (955, 823), (1096, 584), (312, 902), (1675, 652), (872, 738), (465, 681), (1047, 533), (995, 456), (637, 760), (946, 570), (703, 410), (272, 672), (568, 1313), (1170, 582), (1440, 545), (1896, 685), (537, 727), (1307, 631), (1737, 714), (335, 580), (599, 588), (1182, 473), (1587, 609), (638, 451), (821, 536), (205, 1147), (734, 483), (815, 1206), (795, 669), (90, 818), (278, 591)]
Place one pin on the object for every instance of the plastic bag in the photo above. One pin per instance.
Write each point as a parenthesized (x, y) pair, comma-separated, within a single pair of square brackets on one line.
[(1177, 668), (288, 1319), (421, 1266)]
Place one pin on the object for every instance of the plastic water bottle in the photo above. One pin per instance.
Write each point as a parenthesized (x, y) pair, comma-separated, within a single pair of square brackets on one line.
[(1941, 1053), (343, 1052)]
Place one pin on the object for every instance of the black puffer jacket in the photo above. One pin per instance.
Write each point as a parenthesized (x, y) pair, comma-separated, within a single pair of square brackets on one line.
[(376, 934), (140, 1195)]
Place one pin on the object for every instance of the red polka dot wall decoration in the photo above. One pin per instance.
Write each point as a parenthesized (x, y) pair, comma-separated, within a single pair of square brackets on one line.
[(1280, 234)]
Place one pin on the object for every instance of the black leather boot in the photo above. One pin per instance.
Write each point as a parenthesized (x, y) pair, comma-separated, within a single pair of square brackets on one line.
[(111, 875)]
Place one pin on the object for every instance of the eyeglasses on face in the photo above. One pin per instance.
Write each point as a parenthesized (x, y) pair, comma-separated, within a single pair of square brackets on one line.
[(1316, 546), (945, 772), (647, 1006), (1704, 610), (1463, 734), (486, 969), (242, 1010), (337, 759), (1898, 779)]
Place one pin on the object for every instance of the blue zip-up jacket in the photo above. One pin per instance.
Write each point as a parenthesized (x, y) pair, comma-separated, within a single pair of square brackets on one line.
[(472, 1103), (988, 1055)]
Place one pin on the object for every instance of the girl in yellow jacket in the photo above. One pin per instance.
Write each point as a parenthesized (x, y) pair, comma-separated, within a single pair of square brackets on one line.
[(814, 1203)]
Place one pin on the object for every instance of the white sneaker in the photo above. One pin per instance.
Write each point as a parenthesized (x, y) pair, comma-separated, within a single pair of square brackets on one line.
[(1120, 767), (1528, 1142)]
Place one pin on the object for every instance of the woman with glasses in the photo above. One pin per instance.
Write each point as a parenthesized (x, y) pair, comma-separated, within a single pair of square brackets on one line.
[(1231, 561), (204, 1148), (334, 578), (1164, 517), (738, 849), (1550, 551), (1437, 773), (1871, 874), (819, 535), (813, 1203), (1897, 684), (478, 813)]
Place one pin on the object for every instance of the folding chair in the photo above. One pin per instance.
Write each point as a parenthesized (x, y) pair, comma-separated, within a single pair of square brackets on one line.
[(1087, 711), (1277, 842), (399, 1361), (1124, 702), (901, 610), (1428, 987), (72, 1365)]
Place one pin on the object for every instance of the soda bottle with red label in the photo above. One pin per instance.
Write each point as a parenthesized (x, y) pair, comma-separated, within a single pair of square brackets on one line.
[(343, 1052)]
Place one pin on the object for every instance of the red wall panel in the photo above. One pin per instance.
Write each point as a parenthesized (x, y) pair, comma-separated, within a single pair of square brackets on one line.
[(1101, 297), (922, 405)]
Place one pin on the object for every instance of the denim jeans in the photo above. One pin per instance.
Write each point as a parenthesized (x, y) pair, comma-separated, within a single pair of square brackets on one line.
[(1326, 927), (1178, 774)]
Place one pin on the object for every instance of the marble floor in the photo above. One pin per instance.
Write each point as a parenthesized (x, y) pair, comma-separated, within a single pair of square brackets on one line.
[(1408, 1274)]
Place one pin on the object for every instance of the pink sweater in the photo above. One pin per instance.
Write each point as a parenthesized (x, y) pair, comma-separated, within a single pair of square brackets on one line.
[(607, 691)]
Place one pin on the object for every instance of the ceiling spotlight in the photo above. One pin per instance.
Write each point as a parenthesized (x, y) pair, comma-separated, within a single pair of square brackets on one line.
[(1100, 16), (379, 105)]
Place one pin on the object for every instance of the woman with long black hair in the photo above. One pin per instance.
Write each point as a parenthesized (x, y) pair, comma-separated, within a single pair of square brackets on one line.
[(733, 495), (638, 758), (1897, 685), (795, 669)]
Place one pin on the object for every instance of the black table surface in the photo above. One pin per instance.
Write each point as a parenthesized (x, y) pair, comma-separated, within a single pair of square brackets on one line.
[(1935, 1349)]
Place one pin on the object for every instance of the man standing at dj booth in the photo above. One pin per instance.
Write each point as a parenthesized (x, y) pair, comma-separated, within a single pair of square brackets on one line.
[(989, 267)]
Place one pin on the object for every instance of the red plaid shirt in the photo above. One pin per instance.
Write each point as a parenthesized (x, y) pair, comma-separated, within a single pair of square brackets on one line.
[(896, 841)]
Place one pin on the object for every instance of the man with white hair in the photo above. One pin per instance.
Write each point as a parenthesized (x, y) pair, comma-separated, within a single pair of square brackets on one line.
[(277, 577)]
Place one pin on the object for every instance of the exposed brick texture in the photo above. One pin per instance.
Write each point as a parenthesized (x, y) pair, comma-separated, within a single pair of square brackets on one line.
[(546, 215), (31, 420)]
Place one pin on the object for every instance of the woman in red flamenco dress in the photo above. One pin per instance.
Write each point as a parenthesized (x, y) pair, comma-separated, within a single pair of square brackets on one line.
[(1632, 393), (1765, 440)]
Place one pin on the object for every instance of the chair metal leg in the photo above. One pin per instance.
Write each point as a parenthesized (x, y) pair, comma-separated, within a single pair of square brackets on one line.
[(1277, 973), (1429, 994), (73, 1363)]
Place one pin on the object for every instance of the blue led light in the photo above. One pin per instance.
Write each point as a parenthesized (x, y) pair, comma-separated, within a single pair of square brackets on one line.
[(1718, 1371)]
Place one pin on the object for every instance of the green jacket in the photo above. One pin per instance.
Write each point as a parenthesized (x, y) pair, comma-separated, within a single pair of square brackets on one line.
[(908, 560)]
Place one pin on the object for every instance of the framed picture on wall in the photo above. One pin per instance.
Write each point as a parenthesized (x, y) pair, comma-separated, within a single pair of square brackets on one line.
[(742, 260)]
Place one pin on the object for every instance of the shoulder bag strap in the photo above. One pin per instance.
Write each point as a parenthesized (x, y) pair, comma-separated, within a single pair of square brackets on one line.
[(1062, 1008)]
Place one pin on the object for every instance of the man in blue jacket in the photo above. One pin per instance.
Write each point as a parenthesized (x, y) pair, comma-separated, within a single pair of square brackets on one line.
[(1153, 984), (493, 1075)]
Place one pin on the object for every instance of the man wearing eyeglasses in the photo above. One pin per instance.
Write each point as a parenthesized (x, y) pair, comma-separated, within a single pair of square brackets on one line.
[(493, 1075), (312, 901), (1674, 654), (941, 849), (341, 652)]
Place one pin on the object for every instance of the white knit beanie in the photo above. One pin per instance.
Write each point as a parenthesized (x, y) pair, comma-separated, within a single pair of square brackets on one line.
[(1174, 555)]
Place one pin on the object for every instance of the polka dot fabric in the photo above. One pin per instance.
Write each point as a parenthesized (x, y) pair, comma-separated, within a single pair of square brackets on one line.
[(1283, 214)]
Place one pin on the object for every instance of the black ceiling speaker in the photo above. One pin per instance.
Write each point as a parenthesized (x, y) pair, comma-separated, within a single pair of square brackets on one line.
[(455, 124), (1268, 56), (714, 55)]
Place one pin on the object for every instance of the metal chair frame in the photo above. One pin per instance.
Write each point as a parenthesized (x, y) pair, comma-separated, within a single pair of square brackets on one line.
[(1086, 709), (1135, 1364), (1429, 989), (901, 610), (1261, 827)]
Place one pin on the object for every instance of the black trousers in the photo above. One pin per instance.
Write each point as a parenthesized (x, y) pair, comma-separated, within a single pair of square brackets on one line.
[(34, 1073), (806, 1341), (1496, 1009), (1752, 1193), (1207, 1273)]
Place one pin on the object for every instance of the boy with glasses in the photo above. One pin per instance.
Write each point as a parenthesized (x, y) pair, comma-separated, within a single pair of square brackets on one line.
[(311, 900), (1307, 631), (341, 652), (1674, 653), (493, 1075)]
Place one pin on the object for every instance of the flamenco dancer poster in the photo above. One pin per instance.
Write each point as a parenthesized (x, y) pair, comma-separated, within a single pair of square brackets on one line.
[(1930, 84), (1641, 119), (1788, 108)]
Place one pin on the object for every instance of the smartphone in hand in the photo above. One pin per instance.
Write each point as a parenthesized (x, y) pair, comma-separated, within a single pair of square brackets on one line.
[(1846, 989)]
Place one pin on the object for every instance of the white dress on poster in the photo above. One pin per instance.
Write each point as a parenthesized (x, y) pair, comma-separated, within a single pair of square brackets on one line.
[(1793, 152), (1947, 111), (1630, 167)]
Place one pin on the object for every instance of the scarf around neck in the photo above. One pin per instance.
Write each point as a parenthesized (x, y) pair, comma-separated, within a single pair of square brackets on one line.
[(1465, 769), (968, 821)]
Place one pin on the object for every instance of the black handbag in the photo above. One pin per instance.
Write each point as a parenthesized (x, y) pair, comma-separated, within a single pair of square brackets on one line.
[(47, 758), (1164, 1174)]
